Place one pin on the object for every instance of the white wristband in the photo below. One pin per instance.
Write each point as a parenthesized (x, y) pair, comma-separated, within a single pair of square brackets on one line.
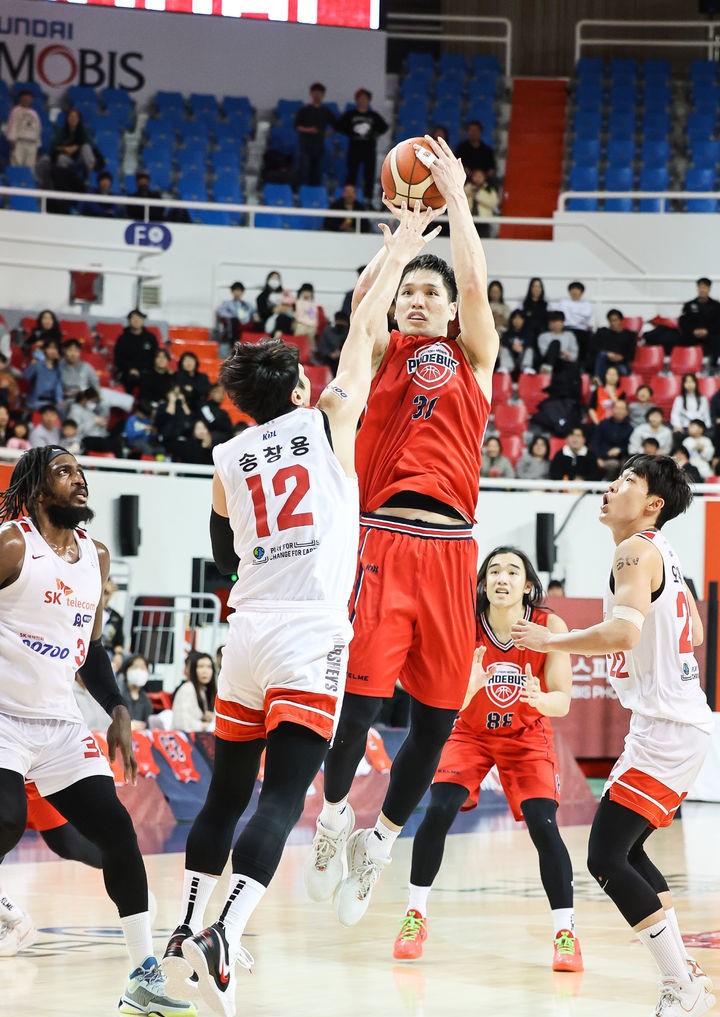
[(629, 614)]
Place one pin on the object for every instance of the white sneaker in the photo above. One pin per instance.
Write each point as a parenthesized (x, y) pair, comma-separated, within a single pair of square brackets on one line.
[(353, 895), (327, 866), (698, 974), (678, 1000), (16, 936)]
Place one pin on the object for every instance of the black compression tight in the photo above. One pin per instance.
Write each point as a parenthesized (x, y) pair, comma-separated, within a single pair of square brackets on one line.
[(294, 756), (617, 860), (13, 810), (446, 800), (555, 865), (94, 809), (69, 843), (356, 718)]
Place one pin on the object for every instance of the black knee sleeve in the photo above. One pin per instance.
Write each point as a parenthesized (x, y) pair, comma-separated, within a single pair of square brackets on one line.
[(555, 865), (357, 716), (446, 800), (13, 810)]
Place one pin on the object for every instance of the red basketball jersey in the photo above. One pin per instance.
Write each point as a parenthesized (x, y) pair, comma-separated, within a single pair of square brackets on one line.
[(496, 709), (423, 427)]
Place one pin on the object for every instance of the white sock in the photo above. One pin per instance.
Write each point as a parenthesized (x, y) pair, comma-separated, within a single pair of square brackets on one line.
[(563, 918), (10, 912), (672, 920), (138, 937), (333, 815), (660, 941), (197, 890), (418, 898), (244, 895), (381, 840)]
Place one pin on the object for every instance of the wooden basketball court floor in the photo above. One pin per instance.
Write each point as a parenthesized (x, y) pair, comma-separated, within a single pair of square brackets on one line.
[(488, 951)]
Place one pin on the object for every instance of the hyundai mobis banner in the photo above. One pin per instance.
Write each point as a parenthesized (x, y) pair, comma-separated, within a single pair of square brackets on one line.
[(136, 45)]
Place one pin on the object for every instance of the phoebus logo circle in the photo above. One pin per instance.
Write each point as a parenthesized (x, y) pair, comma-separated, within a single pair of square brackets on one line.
[(504, 683)]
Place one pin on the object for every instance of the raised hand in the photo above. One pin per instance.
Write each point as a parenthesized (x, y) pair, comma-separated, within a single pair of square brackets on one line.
[(409, 236), (530, 636), (532, 692), (447, 170), (478, 677)]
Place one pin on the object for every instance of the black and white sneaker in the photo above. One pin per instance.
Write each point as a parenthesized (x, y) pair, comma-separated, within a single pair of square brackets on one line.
[(209, 955), (178, 973)]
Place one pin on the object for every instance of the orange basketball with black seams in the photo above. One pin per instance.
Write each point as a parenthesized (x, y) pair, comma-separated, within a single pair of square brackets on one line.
[(406, 175)]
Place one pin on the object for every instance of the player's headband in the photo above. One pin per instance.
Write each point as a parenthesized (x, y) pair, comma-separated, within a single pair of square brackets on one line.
[(56, 450)]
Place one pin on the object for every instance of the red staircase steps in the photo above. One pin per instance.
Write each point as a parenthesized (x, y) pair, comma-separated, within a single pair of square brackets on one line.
[(535, 154)]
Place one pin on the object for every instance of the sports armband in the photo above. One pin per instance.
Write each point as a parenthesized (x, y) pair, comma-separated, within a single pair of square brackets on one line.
[(629, 614), (223, 548), (98, 678)]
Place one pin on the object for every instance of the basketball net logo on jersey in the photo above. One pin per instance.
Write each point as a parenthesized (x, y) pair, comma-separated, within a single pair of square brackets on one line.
[(505, 680), (432, 365)]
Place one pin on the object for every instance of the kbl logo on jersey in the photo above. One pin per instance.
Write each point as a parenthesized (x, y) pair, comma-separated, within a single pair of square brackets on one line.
[(505, 681), (432, 365)]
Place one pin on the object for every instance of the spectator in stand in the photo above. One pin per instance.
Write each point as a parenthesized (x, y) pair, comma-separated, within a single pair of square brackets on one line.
[(69, 436), (233, 315), (216, 418), (104, 209), (194, 699), (134, 350), (309, 316), (174, 421), (363, 126), (195, 384), (275, 306), (5, 426), (615, 345), (653, 427), (20, 437), (535, 307), (640, 405), (494, 463), (699, 322), (558, 345), (574, 461), (112, 636), (140, 431), (474, 153), (651, 447), (155, 213), (133, 679), (439, 131), (72, 155), (331, 341), (534, 463), (155, 383), (611, 438), (347, 202), (75, 373), (23, 131), (9, 388), (555, 589), (578, 318), (46, 327), (482, 197), (602, 398), (500, 310), (92, 418), (699, 448), (346, 308), (689, 405), (517, 347), (311, 122), (43, 376), (47, 432), (196, 447), (681, 457)]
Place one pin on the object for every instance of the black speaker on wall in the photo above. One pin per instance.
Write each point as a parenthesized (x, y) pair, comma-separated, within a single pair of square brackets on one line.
[(129, 524), (545, 541)]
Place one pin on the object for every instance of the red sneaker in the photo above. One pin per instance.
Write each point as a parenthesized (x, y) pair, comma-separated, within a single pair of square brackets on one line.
[(567, 955), (412, 935)]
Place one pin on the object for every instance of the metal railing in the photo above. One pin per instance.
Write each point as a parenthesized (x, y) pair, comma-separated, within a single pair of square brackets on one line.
[(434, 27), (692, 35), (164, 628)]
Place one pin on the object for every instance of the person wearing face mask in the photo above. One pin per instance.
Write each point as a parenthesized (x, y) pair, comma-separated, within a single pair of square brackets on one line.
[(271, 304), (136, 674)]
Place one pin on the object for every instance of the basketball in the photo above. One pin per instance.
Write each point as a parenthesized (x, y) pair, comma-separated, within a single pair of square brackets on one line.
[(406, 175)]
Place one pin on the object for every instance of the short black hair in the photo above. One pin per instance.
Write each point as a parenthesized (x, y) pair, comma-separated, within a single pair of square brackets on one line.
[(653, 409), (555, 316), (614, 312), (664, 479), (576, 284), (704, 279), (260, 378), (72, 342), (534, 598), (431, 263), (651, 441), (698, 421), (648, 387)]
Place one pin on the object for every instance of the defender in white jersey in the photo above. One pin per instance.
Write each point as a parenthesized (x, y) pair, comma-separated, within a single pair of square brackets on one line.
[(650, 627), (285, 518), (51, 578)]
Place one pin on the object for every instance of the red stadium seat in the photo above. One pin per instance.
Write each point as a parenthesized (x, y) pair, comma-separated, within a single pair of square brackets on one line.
[(709, 386), (648, 362), (665, 387), (556, 444), (513, 447), (76, 330), (188, 334), (629, 385), (319, 377), (585, 388), (203, 350), (108, 332), (302, 343), (501, 387), (634, 324), (510, 418), (686, 359), (530, 389)]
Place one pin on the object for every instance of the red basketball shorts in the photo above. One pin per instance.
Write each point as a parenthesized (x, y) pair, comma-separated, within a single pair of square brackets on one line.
[(526, 763), (41, 815), (413, 611)]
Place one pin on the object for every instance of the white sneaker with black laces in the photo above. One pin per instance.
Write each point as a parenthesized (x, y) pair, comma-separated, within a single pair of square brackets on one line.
[(353, 895), (209, 956), (145, 993), (16, 936), (678, 1000), (327, 866)]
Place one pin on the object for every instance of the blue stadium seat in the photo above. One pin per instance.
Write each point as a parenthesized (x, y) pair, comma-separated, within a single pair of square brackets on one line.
[(590, 67), (653, 178), (620, 152), (170, 102), (277, 195), (233, 104), (618, 205), (191, 186), (700, 180), (282, 139), (21, 176), (703, 72), (454, 62), (311, 197), (415, 89), (161, 175), (705, 154), (482, 86), (203, 104), (586, 151), (227, 187), (191, 160), (589, 95), (587, 125), (656, 70), (225, 161), (109, 143), (655, 126), (485, 114), (707, 101), (583, 178), (117, 98), (619, 178), (622, 96), (656, 98), (485, 61), (621, 124), (623, 69), (417, 60), (162, 130), (655, 153), (701, 125)]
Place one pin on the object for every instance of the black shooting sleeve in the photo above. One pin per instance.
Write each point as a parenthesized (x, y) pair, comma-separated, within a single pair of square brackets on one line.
[(221, 537), (98, 678)]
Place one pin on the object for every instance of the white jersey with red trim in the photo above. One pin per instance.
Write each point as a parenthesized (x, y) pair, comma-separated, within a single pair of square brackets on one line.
[(46, 620), (660, 677), (293, 512)]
